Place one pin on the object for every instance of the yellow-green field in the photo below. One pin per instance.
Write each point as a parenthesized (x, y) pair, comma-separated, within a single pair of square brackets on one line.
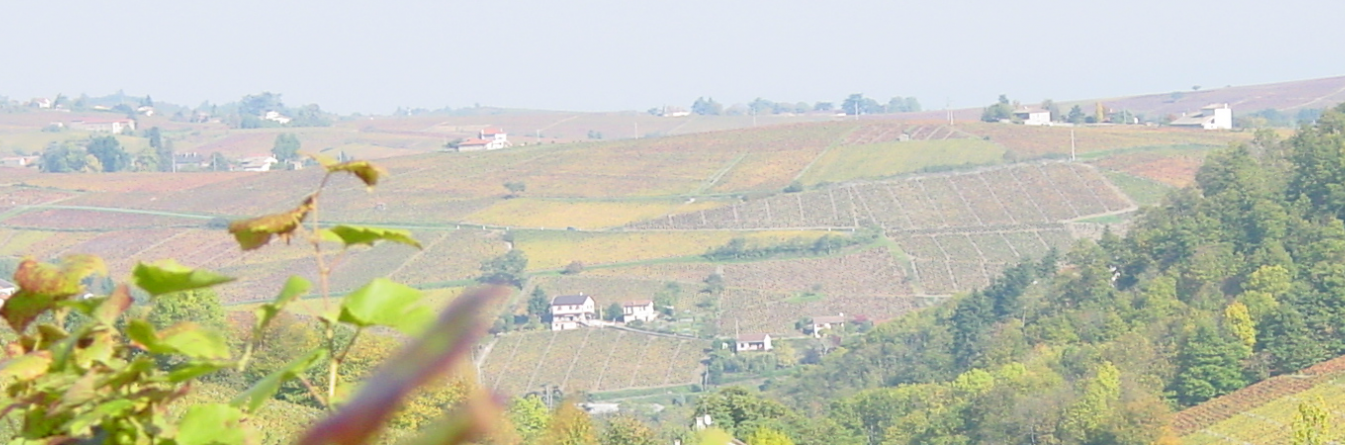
[(1272, 423), (555, 249), (893, 158), (538, 213)]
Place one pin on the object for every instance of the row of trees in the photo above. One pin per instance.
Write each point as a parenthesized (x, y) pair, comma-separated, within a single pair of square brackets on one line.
[(852, 105)]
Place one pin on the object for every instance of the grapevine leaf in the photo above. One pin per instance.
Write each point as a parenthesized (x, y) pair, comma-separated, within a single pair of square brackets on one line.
[(167, 276), (58, 282), (382, 302), (23, 307), (142, 333), (212, 424), (324, 160), (366, 171), (256, 232), (113, 306), (194, 341), (355, 235), (26, 367), (83, 424), (252, 399), (295, 287), (447, 342), (191, 371)]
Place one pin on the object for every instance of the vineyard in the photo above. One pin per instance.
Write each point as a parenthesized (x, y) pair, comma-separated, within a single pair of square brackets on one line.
[(1015, 195), (770, 296), (1029, 142), (555, 249), (1263, 413), (590, 360), (878, 160), (948, 262), (537, 213)]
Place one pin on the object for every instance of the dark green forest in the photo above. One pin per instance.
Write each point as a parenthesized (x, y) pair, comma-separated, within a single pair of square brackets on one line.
[(1227, 282)]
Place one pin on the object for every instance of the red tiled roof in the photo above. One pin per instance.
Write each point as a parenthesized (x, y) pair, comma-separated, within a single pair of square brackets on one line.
[(492, 131)]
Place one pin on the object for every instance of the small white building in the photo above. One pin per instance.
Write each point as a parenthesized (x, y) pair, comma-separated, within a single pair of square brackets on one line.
[(113, 126), (642, 310), (1033, 116), (257, 163), (1211, 117), (571, 311), (41, 102), (826, 322), (19, 161), (753, 342), (7, 289), (275, 116)]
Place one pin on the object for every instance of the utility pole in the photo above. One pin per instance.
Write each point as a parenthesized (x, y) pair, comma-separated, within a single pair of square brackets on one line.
[(1071, 144)]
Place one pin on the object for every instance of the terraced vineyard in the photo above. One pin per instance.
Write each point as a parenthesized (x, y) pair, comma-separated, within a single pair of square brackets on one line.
[(947, 262), (1263, 413), (588, 360), (770, 296), (1014, 195)]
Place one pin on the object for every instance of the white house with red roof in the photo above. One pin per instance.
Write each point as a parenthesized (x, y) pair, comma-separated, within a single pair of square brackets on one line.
[(489, 138)]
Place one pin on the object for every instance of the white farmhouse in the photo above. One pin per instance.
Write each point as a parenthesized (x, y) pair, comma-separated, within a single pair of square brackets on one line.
[(114, 126), (275, 116), (1211, 117), (753, 342), (490, 138), (642, 310), (257, 163), (571, 311), (825, 322), (1033, 116)]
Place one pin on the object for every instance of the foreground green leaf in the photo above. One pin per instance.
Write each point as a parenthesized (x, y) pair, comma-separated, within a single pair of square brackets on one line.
[(214, 423), (355, 235), (167, 276), (384, 302), (294, 287)]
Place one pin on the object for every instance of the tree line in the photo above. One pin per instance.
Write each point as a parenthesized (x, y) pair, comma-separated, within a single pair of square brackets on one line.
[(855, 104)]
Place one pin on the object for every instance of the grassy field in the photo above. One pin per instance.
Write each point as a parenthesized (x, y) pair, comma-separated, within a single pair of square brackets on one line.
[(894, 158), (582, 214)]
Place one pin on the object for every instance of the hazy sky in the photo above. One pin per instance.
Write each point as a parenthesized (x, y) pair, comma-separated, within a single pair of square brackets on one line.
[(607, 55)]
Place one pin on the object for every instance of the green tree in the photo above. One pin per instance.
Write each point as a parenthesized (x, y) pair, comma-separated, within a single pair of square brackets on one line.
[(707, 107), (1208, 365), (767, 436), (505, 269), (570, 426), (626, 430), (1240, 323), (614, 312), (998, 111), (539, 304), (109, 153), (286, 147), (530, 418), (1076, 115), (515, 188)]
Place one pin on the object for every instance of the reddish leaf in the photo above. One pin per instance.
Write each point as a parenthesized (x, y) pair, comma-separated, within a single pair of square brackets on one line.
[(367, 172), (445, 343), (23, 307), (256, 232), (114, 305)]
